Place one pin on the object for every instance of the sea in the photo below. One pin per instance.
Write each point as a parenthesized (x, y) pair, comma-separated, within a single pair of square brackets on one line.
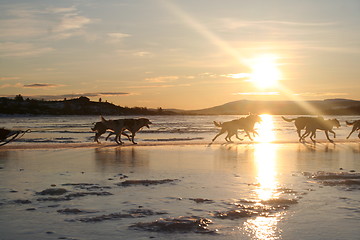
[(177, 129), (176, 185)]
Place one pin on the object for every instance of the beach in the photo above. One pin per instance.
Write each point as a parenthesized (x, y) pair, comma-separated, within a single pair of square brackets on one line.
[(181, 191)]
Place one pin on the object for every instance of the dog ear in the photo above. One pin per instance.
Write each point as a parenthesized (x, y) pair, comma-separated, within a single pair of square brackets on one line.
[(102, 119)]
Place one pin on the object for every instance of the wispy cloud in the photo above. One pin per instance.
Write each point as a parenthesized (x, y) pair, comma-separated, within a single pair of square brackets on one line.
[(14, 49), (16, 85), (142, 54), (237, 75), (162, 79), (77, 95), (25, 21), (9, 78), (232, 24), (257, 93), (116, 37), (42, 85), (320, 94)]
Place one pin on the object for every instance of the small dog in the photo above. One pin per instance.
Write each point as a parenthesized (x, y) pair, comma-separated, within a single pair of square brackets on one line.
[(301, 122), (231, 127), (321, 124), (356, 127), (118, 126)]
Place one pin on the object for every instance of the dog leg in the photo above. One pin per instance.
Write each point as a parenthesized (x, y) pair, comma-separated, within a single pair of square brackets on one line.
[(248, 134), (302, 138), (237, 136), (125, 134), (228, 137), (221, 132), (353, 130), (327, 136), (311, 137), (108, 136), (333, 133), (299, 133), (132, 138), (118, 139)]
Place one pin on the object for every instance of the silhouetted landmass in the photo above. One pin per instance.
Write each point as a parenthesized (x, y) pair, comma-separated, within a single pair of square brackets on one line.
[(325, 107), (77, 106), (83, 106)]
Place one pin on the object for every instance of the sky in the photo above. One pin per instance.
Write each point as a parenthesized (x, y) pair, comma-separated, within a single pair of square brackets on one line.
[(181, 54)]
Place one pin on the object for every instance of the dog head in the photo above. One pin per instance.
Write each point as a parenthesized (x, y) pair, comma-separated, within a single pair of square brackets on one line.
[(144, 122), (336, 122), (254, 117), (99, 127)]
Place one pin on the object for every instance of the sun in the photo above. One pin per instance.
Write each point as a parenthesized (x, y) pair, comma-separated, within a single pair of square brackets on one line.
[(265, 72)]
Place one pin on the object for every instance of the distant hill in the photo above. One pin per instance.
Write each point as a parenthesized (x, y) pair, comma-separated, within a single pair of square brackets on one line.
[(324, 107), (77, 106)]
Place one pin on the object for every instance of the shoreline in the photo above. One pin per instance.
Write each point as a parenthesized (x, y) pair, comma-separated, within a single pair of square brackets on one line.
[(31, 146)]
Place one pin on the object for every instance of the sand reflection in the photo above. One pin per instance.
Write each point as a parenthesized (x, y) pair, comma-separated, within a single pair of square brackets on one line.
[(265, 227)]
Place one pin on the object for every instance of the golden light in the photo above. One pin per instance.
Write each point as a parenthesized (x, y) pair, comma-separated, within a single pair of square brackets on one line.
[(265, 227), (265, 129), (265, 71), (265, 160), (262, 228)]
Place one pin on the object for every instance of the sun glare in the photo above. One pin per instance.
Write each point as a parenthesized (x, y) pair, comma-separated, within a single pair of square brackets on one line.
[(265, 129), (264, 71)]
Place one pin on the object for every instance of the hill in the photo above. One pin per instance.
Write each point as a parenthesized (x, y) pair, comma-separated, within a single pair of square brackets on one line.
[(77, 106), (324, 107)]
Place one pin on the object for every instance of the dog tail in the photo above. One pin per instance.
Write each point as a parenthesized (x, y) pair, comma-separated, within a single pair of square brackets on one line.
[(349, 123), (218, 124), (288, 119)]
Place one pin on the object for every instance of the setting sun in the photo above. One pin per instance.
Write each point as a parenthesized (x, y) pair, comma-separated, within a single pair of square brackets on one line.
[(265, 72)]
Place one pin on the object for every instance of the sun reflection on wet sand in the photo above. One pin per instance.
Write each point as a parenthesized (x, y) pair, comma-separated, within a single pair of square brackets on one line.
[(265, 227), (265, 160)]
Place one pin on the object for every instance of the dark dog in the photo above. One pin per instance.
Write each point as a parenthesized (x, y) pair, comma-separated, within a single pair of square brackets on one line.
[(301, 122), (231, 127), (118, 126), (356, 127), (321, 124), (7, 135)]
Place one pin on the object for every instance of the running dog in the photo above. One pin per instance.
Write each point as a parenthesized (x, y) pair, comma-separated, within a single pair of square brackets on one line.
[(118, 126), (231, 127), (301, 122), (356, 127), (321, 124)]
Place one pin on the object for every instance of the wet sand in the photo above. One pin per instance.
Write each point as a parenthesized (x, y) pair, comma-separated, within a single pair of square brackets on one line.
[(222, 191)]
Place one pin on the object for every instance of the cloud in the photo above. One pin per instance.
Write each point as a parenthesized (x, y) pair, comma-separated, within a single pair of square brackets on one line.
[(8, 78), (142, 54), (258, 93), (237, 75), (24, 22), (41, 85), (232, 24), (320, 94), (77, 95), (116, 37), (16, 85), (14, 49), (162, 79), (71, 22)]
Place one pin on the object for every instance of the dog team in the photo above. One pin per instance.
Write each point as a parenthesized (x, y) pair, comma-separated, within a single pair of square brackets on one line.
[(247, 124)]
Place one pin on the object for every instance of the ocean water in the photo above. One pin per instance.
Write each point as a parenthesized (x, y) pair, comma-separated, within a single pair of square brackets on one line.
[(165, 129), (182, 188)]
